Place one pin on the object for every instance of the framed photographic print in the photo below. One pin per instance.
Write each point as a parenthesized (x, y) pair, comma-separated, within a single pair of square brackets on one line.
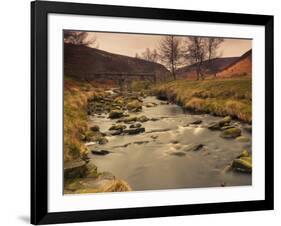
[(144, 112)]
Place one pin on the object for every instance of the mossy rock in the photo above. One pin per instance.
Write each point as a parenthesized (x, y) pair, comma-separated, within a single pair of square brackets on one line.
[(133, 131), (143, 118), (119, 100), (100, 152), (214, 126), (75, 169), (245, 153), (92, 170), (243, 164), (130, 119), (221, 125), (88, 135), (195, 147), (136, 125), (248, 128), (226, 119), (134, 106), (231, 133), (178, 153), (115, 132), (101, 140), (71, 185), (151, 104), (196, 122), (116, 114), (227, 127), (95, 128), (242, 139), (117, 127)]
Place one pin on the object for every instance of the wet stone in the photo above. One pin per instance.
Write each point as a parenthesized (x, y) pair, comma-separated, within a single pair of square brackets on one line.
[(100, 152), (134, 131)]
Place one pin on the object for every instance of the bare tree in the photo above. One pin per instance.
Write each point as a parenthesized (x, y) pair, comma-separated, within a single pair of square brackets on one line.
[(170, 53), (200, 49), (212, 51), (155, 56), (150, 55), (196, 53), (80, 38)]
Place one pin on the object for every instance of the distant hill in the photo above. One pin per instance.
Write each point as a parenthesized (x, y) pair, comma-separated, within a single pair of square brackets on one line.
[(241, 67), (219, 64), (83, 62)]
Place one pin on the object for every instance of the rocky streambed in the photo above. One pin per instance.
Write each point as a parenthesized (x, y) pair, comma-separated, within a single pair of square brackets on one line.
[(144, 143)]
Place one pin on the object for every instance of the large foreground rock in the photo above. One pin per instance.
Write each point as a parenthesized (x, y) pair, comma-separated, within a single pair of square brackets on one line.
[(75, 169), (102, 185)]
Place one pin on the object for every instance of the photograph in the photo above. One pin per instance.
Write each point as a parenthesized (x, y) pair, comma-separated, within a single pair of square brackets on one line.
[(155, 111)]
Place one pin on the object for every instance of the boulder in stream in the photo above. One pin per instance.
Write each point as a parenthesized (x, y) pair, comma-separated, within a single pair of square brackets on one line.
[(245, 153), (196, 122), (195, 147), (134, 106), (130, 119), (150, 105), (133, 131), (101, 140), (178, 153), (243, 164), (242, 139), (95, 128), (100, 152), (222, 123), (116, 114), (231, 133), (248, 128), (136, 125), (142, 118), (117, 127)]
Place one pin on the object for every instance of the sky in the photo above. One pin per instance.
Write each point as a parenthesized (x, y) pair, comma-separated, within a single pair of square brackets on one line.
[(130, 44)]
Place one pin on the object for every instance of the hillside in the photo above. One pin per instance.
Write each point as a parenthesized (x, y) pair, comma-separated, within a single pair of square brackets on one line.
[(219, 64), (83, 62), (241, 67)]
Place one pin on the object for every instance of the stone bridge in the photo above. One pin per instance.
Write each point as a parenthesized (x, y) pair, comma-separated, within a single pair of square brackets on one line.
[(122, 78)]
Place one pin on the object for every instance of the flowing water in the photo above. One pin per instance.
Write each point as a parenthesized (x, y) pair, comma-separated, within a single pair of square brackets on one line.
[(156, 160)]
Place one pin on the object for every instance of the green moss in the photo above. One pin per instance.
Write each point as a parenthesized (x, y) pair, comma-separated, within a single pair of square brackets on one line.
[(231, 133), (243, 164)]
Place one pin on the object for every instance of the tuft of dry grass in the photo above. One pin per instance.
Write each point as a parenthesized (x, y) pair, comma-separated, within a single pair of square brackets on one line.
[(217, 96), (115, 185)]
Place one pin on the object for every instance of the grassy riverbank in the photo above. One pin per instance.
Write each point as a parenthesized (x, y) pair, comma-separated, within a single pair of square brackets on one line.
[(75, 118), (217, 96)]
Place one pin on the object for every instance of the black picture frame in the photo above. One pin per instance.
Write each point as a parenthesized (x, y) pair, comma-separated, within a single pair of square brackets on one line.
[(39, 112)]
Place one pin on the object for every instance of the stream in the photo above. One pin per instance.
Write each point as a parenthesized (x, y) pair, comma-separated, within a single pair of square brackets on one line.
[(155, 160)]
